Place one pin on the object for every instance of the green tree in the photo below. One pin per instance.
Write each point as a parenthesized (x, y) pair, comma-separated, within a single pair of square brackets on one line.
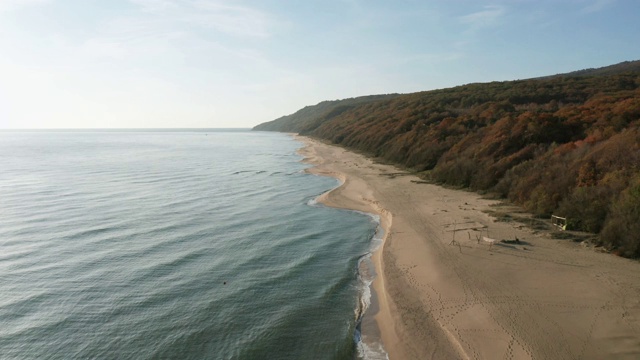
[(622, 229)]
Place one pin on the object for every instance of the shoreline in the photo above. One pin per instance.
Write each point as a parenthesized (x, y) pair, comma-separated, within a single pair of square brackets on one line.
[(444, 293), (381, 319), (370, 332)]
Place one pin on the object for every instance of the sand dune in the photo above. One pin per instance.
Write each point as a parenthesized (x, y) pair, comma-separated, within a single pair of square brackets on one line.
[(444, 291)]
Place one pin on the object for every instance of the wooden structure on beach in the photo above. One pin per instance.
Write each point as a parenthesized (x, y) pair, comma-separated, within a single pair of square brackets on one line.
[(559, 222)]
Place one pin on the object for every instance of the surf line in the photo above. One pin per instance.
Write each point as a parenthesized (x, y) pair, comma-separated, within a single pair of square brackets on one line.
[(368, 264)]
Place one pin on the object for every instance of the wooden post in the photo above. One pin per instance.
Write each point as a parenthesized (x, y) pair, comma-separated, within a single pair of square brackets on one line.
[(454, 232)]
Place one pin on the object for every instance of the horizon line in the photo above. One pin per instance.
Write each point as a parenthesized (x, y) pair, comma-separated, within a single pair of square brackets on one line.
[(126, 129)]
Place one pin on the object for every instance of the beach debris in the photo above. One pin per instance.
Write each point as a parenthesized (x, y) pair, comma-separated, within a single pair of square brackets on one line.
[(489, 240), (515, 241), (486, 239)]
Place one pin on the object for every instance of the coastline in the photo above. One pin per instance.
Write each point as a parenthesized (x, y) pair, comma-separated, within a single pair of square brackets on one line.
[(378, 312), (442, 292)]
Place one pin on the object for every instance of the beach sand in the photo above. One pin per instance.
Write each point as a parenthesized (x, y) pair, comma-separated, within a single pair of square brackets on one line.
[(444, 294)]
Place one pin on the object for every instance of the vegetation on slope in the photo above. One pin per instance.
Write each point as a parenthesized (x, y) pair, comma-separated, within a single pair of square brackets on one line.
[(567, 145), (310, 117)]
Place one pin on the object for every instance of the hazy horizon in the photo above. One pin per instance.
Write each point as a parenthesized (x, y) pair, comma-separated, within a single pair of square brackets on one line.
[(234, 64), (175, 129)]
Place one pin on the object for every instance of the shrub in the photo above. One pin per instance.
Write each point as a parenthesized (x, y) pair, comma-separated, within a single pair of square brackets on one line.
[(586, 208), (622, 229)]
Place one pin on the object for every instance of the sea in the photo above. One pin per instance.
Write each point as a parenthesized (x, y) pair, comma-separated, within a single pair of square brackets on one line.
[(176, 244)]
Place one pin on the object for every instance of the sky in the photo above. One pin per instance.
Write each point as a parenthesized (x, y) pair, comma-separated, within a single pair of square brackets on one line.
[(238, 63)]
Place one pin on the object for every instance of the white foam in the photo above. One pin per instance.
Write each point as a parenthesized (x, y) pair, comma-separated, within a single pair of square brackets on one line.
[(373, 352), (365, 351), (366, 275)]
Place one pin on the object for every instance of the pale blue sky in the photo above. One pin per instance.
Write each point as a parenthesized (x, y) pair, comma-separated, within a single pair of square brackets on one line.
[(224, 63)]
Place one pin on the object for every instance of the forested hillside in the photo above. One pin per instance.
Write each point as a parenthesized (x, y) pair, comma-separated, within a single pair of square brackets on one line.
[(310, 117), (567, 145)]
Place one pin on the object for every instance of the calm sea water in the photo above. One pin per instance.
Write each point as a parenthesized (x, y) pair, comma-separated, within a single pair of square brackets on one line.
[(182, 245)]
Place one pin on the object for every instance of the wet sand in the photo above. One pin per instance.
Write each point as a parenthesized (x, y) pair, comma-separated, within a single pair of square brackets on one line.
[(445, 292)]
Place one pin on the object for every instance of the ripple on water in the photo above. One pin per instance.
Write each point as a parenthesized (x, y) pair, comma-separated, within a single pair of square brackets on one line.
[(177, 245)]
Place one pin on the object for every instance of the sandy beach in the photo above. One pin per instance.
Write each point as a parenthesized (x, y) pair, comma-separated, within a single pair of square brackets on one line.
[(448, 288)]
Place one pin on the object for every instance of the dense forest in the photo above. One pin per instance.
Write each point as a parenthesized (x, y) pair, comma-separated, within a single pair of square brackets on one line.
[(567, 144)]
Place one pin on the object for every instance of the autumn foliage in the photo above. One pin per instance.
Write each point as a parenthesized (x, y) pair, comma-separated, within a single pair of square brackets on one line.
[(567, 144)]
